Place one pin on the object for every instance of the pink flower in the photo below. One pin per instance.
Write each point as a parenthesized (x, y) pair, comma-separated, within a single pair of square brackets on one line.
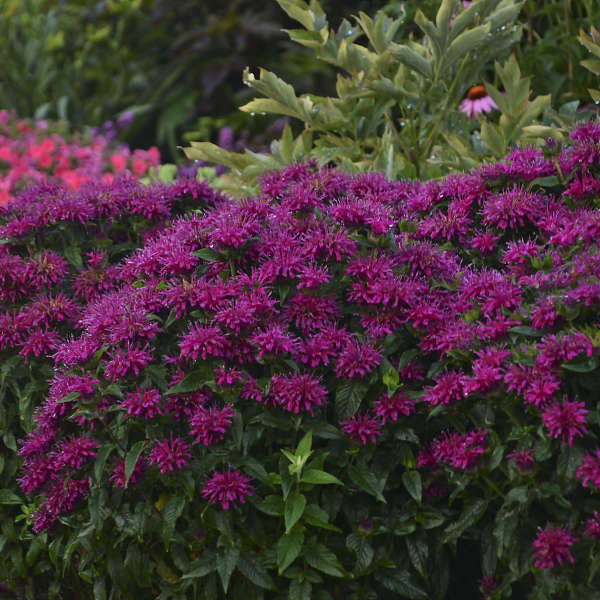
[(589, 470), (391, 407), (523, 459), (143, 403), (227, 488), (362, 429), (297, 393), (566, 421), (209, 426), (357, 359), (592, 527), (477, 101), (170, 456), (552, 545)]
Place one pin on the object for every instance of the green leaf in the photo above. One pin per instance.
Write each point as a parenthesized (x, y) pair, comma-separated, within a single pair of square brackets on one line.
[(192, 381), (401, 583), (366, 481), (412, 59), (132, 458), (471, 513), (294, 508), (578, 366), (348, 397), (466, 42), (300, 590), (314, 515), (493, 139), (252, 569), (9, 497), (412, 483), (418, 551), (288, 549), (304, 445), (171, 512), (323, 559), (209, 255), (201, 567), (226, 563), (101, 457), (271, 505), (73, 255), (316, 476)]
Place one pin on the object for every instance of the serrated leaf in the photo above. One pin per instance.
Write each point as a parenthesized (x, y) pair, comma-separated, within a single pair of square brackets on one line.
[(314, 515), (253, 570), (288, 549), (226, 563), (294, 508), (132, 458), (418, 552), (316, 476), (412, 483), (200, 567), (266, 105), (366, 481), (171, 512), (323, 559), (271, 505), (300, 590), (348, 397), (471, 513), (493, 139)]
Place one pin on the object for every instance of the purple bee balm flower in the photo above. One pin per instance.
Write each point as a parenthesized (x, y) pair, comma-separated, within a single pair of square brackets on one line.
[(143, 404), (357, 359), (210, 425), (392, 407), (362, 428), (477, 101), (202, 342), (523, 459), (592, 527), (448, 388), (311, 313), (73, 452), (565, 421), (227, 488), (170, 456), (589, 471), (132, 359), (541, 389), (297, 393), (61, 497), (274, 340), (40, 342), (460, 451), (552, 545)]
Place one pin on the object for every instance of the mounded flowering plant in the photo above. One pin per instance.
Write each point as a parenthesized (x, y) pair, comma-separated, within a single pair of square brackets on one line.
[(341, 387), (59, 250)]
